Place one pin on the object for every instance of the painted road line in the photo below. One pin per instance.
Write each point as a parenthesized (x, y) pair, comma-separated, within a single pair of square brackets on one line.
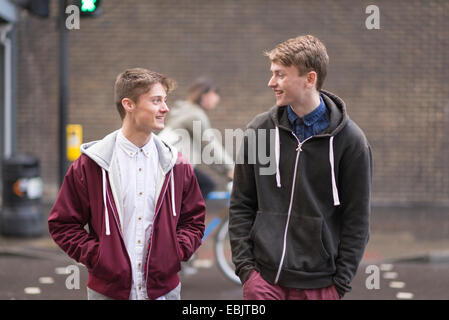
[(46, 280), (61, 270), (404, 295), (390, 275), (397, 284), (32, 290), (203, 263), (386, 267)]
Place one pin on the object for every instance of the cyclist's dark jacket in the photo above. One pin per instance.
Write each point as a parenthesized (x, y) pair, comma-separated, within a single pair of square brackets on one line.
[(319, 227), (176, 233)]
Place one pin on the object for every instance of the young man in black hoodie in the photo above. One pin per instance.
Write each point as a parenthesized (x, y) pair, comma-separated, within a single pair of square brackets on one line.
[(300, 232)]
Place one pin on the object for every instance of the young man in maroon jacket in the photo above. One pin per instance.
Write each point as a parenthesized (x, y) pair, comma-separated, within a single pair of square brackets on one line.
[(139, 197)]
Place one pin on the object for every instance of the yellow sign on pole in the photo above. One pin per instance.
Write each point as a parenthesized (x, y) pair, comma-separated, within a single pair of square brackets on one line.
[(74, 140)]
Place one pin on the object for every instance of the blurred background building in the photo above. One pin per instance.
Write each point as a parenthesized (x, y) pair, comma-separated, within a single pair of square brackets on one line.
[(394, 80)]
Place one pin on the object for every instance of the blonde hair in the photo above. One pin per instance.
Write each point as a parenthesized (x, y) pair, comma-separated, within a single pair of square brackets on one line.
[(307, 53), (132, 83)]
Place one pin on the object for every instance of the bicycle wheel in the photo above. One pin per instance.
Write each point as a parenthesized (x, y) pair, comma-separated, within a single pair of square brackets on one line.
[(223, 253)]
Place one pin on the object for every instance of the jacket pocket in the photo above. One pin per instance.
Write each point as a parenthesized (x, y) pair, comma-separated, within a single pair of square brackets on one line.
[(305, 249), (111, 264), (165, 257), (254, 226), (267, 235)]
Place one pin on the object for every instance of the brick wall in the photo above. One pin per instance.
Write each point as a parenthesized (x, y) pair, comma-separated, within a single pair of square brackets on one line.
[(394, 80)]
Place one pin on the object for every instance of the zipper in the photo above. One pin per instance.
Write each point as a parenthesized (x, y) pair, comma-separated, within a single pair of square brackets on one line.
[(298, 151), (156, 212), (115, 214), (115, 218)]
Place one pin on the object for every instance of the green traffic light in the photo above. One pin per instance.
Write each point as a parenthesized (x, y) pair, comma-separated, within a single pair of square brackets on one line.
[(88, 5)]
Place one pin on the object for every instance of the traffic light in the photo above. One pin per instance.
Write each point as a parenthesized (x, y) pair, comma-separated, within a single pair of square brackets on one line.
[(89, 8)]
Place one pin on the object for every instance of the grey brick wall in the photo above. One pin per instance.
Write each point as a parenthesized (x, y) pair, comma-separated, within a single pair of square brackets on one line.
[(394, 80)]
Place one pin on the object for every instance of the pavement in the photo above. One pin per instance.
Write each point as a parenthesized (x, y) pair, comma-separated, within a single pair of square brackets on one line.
[(407, 234), (408, 248)]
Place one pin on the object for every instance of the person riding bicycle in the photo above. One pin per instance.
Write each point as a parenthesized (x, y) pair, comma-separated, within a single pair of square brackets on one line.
[(189, 129)]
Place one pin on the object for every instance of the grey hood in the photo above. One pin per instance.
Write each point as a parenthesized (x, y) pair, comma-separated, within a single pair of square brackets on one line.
[(102, 152), (335, 105)]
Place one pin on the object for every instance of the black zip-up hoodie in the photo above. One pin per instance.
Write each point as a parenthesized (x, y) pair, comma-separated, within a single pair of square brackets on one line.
[(306, 223)]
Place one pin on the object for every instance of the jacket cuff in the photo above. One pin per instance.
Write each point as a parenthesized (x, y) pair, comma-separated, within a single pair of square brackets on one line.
[(340, 292), (181, 252), (341, 289), (245, 272)]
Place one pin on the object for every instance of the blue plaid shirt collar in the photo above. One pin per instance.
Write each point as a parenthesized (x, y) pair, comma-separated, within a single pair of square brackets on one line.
[(308, 119)]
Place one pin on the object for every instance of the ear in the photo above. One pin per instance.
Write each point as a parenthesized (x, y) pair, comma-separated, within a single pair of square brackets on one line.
[(311, 79), (128, 105)]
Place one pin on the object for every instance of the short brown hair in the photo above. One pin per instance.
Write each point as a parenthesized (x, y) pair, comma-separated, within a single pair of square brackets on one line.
[(306, 53), (132, 83)]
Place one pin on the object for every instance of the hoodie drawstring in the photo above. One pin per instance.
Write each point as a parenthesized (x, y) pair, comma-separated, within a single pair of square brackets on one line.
[(106, 213), (334, 183), (172, 183), (277, 148), (277, 153)]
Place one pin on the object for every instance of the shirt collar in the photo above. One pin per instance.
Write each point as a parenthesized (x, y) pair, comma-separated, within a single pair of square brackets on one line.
[(131, 149), (308, 119)]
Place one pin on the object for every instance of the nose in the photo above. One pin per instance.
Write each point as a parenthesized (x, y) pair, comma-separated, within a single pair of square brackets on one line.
[(272, 82), (164, 108)]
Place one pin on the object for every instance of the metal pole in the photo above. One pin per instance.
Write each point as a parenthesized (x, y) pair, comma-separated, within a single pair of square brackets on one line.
[(63, 90), (8, 121)]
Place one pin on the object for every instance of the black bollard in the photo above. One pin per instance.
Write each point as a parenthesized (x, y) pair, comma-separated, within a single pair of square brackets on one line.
[(22, 212)]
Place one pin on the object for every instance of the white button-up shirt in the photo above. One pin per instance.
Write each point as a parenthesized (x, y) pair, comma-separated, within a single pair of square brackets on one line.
[(138, 175)]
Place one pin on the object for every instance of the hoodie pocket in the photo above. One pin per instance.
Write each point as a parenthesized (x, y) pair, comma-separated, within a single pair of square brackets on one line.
[(267, 235), (305, 249)]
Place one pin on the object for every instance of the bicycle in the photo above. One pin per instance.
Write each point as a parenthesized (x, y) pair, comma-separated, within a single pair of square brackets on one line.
[(222, 247)]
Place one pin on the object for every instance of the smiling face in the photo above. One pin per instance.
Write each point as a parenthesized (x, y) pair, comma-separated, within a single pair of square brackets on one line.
[(288, 85), (148, 113)]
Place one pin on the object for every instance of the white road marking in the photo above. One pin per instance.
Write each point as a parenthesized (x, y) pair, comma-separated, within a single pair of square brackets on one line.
[(61, 270), (203, 263), (404, 295), (46, 280), (397, 284), (32, 290), (390, 275), (386, 267)]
